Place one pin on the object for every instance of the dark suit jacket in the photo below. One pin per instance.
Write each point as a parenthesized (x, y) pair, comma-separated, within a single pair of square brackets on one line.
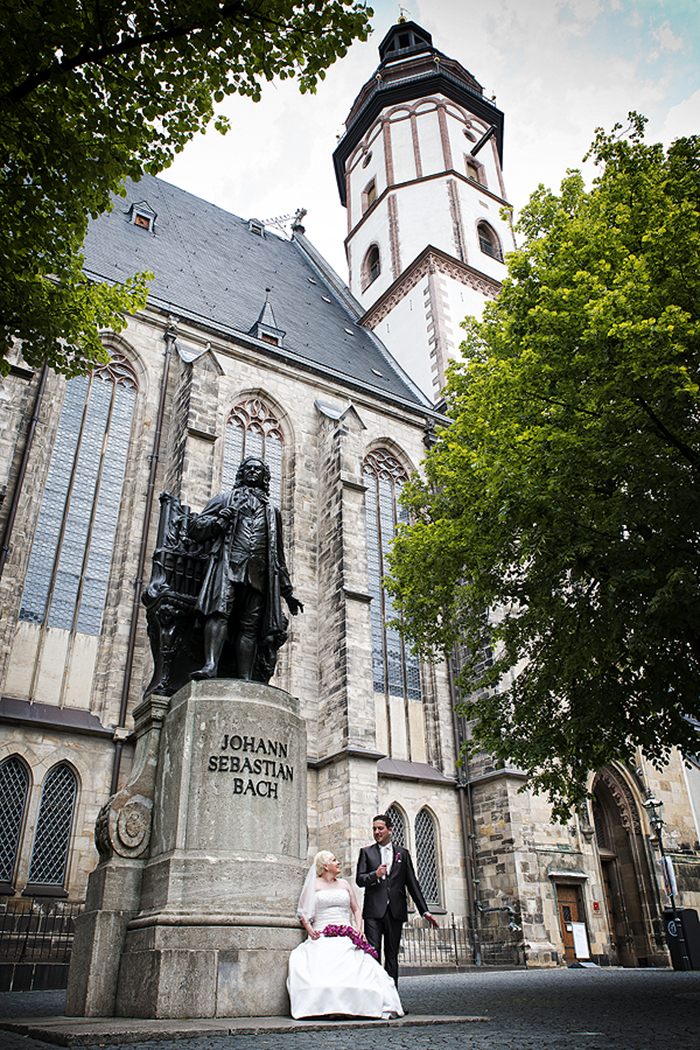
[(389, 893)]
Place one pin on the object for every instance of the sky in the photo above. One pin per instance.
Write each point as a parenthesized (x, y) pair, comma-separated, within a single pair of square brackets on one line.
[(557, 68)]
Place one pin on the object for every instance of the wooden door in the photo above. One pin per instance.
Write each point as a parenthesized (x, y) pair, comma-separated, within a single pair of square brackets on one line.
[(568, 900)]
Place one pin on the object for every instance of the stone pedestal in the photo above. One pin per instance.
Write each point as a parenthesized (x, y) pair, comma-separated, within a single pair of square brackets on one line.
[(216, 919)]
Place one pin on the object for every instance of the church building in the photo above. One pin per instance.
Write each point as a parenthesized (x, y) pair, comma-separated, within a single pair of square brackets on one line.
[(251, 345)]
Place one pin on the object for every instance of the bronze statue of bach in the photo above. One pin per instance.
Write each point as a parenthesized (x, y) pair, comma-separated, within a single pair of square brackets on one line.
[(246, 576)]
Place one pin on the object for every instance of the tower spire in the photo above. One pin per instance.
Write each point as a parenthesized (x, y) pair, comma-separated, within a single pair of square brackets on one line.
[(419, 171)]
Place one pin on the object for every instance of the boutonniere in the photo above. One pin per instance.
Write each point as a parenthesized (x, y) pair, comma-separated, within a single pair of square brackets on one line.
[(397, 858)]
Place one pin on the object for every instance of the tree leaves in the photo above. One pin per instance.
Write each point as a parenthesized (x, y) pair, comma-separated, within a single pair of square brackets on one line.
[(564, 495), (92, 93)]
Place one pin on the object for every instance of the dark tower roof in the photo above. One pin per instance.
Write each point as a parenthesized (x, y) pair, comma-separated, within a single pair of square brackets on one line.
[(410, 68)]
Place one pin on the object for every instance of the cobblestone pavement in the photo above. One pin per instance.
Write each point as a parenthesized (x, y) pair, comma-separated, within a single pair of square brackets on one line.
[(577, 1009)]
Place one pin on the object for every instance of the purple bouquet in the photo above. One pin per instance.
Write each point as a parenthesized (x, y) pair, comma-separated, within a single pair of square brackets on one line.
[(357, 939)]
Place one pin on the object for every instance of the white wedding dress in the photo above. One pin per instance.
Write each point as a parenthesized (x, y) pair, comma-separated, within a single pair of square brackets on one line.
[(332, 976)]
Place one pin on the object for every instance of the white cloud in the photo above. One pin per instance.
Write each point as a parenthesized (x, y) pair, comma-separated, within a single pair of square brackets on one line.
[(667, 38), (683, 119)]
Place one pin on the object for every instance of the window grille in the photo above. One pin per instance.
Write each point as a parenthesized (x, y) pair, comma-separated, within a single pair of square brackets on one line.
[(426, 857), (253, 430), (14, 786), (398, 828), (53, 830), (488, 242), (395, 672), (66, 583)]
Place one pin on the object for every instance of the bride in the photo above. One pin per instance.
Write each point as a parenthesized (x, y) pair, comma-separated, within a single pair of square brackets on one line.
[(335, 970)]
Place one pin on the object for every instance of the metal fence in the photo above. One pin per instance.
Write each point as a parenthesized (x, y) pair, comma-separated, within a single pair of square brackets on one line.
[(38, 935), (497, 942), (37, 931)]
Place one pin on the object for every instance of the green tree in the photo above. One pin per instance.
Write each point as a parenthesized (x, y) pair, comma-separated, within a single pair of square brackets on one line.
[(93, 92), (564, 497)]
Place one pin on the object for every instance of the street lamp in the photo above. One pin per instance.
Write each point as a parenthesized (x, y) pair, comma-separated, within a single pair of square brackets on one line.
[(654, 807)]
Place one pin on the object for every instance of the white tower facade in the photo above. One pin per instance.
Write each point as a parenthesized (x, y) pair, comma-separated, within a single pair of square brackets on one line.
[(419, 171)]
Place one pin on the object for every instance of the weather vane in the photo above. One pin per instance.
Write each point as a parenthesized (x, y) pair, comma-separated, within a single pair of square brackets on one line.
[(403, 13)]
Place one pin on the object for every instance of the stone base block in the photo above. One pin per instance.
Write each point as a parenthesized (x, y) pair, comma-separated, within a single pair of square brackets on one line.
[(208, 971), (112, 901)]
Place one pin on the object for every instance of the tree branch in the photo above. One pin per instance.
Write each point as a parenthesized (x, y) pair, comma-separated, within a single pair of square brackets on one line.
[(90, 55), (685, 450)]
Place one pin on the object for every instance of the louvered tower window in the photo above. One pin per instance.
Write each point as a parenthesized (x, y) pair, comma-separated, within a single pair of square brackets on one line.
[(395, 671), (398, 828), (14, 787), (66, 583), (426, 857), (252, 429), (53, 830)]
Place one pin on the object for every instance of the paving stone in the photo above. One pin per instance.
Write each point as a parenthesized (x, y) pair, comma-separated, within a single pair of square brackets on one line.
[(558, 1009)]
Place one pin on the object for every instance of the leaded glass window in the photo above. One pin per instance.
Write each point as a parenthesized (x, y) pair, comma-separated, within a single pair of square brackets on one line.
[(53, 829), (14, 786), (398, 829), (426, 857), (66, 583), (395, 671), (253, 430)]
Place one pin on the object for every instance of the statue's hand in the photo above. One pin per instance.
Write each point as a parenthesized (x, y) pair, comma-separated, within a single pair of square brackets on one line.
[(226, 516), (294, 604)]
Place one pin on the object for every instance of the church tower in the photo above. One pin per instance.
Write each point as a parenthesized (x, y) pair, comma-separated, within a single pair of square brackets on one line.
[(419, 171)]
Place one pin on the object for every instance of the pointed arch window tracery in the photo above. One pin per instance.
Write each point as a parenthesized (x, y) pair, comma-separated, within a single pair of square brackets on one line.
[(395, 671), (71, 556), (398, 825), (14, 789), (252, 429), (53, 830), (426, 857)]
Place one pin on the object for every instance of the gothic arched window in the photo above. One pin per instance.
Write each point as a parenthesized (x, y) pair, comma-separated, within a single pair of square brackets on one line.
[(252, 429), (426, 857), (69, 565), (395, 671), (489, 242), (371, 267), (398, 826), (53, 829), (14, 787)]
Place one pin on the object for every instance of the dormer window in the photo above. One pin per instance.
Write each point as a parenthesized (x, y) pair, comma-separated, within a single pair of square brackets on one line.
[(143, 216), (256, 227)]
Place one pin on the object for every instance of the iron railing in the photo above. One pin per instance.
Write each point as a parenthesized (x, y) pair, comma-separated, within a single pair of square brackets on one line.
[(37, 931), (497, 943)]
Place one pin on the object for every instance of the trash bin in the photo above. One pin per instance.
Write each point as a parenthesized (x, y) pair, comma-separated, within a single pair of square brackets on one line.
[(687, 919)]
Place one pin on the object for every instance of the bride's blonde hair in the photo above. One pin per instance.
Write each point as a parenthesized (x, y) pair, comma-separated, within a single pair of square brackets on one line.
[(322, 858)]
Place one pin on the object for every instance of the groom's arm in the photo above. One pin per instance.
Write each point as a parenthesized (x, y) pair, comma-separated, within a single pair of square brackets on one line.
[(365, 877), (416, 893)]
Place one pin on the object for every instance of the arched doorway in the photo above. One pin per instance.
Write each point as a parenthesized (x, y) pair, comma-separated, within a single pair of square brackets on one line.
[(630, 893)]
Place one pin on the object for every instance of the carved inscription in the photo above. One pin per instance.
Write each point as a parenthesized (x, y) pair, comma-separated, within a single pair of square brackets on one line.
[(253, 757)]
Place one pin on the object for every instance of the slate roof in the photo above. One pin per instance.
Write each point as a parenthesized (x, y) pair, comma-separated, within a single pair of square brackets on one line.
[(209, 267)]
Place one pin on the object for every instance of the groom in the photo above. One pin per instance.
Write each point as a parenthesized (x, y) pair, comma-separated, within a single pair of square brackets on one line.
[(385, 872)]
